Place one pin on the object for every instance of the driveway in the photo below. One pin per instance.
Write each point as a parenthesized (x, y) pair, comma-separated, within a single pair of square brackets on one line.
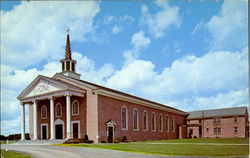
[(49, 151)]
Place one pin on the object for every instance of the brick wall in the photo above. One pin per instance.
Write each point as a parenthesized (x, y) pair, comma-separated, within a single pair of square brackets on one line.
[(110, 109)]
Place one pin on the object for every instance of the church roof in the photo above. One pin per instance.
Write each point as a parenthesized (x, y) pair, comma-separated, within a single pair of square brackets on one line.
[(236, 111), (98, 87)]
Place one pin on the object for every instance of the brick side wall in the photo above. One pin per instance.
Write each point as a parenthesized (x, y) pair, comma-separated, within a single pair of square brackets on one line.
[(227, 127), (110, 109)]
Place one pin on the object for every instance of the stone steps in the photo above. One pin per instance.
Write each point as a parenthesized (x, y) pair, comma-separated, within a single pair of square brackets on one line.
[(40, 142)]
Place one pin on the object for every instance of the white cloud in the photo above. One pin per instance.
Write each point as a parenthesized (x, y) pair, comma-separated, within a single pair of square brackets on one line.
[(229, 27), (116, 19), (162, 20), (139, 41), (116, 29), (40, 34), (197, 27)]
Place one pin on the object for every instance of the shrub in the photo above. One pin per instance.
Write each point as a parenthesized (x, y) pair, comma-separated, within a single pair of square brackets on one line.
[(195, 136), (86, 139), (72, 141), (124, 139), (116, 141), (90, 141), (103, 141)]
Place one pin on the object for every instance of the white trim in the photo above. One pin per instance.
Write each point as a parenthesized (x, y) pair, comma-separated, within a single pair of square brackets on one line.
[(126, 118), (59, 122), (42, 112), (161, 123), (154, 130), (44, 124), (144, 111), (79, 130), (75, 101), (167, 119), (58, 104), (137, 121)]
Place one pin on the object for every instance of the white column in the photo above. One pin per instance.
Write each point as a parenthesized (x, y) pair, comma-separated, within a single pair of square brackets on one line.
[(22, 121), (70, 66), (68, 116), (35, 119), (52, 118)]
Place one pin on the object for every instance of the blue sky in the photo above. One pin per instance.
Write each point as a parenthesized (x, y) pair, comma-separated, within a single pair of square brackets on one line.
[(190, 55)]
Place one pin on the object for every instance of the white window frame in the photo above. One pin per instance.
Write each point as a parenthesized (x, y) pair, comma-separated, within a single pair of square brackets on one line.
[(45, 113), (137, 121), (126, 118), (58, 104), (75, 101), (146, 120), (167, 118), (173, 124), (161, 123), (154, 130)]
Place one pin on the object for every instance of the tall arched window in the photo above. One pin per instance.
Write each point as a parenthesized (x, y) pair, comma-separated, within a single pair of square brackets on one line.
[(167, 124), (145, 120), (136, 119), (43, 112), (153, 122), (124, 118), (161, 123), (75, 108), (173, 125), (58, 110)]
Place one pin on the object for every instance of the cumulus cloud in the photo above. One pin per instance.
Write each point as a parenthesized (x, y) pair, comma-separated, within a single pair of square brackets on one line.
[(158, 23), (229, 28), (40, 34), (139, 41), (116, 29)]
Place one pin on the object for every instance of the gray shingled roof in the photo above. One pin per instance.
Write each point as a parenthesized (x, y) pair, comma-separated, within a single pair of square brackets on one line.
[(217, 112)]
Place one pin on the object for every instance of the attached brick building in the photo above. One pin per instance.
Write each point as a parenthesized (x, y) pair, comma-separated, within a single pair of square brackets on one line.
[(218, 123), (65, 107)]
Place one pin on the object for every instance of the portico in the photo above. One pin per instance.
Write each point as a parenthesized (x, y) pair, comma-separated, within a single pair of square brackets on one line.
[(41, 89)]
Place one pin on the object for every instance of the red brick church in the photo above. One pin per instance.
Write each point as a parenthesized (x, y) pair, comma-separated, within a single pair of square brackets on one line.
[(66, 107)]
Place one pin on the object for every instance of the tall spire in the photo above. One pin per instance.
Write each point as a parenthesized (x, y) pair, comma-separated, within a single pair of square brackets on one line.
[(68, 50)]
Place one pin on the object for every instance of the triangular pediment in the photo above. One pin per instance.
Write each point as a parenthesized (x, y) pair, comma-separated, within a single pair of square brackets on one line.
[(43, 85)]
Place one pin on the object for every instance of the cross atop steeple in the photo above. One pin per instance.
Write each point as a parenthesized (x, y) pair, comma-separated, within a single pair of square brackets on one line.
[(68, 30)]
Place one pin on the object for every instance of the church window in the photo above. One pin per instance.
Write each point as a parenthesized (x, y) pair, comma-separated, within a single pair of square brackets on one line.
[(44, 112), (58, 110), (124, 117), (153, 122), (136, 119), (145, 120), (75, 108), (73, 67), (161, 122), (167, 124)]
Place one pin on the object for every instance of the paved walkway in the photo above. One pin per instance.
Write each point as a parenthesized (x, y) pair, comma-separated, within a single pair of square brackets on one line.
[(50, 151)]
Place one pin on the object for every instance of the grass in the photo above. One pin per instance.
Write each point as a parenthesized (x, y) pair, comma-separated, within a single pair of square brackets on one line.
[(13, 154), (179, 149), (9, 142)]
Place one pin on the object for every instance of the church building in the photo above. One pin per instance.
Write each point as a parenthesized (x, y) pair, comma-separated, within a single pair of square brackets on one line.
[(66, 107)]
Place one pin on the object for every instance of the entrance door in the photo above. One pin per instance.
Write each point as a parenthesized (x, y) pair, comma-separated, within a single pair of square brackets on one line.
[(44, 132), (110, 134), (75, 130), (59, 131)]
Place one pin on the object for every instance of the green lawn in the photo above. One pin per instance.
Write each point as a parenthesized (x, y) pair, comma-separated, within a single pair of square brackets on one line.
[(12, 154), (191, 149), (9, 142)]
